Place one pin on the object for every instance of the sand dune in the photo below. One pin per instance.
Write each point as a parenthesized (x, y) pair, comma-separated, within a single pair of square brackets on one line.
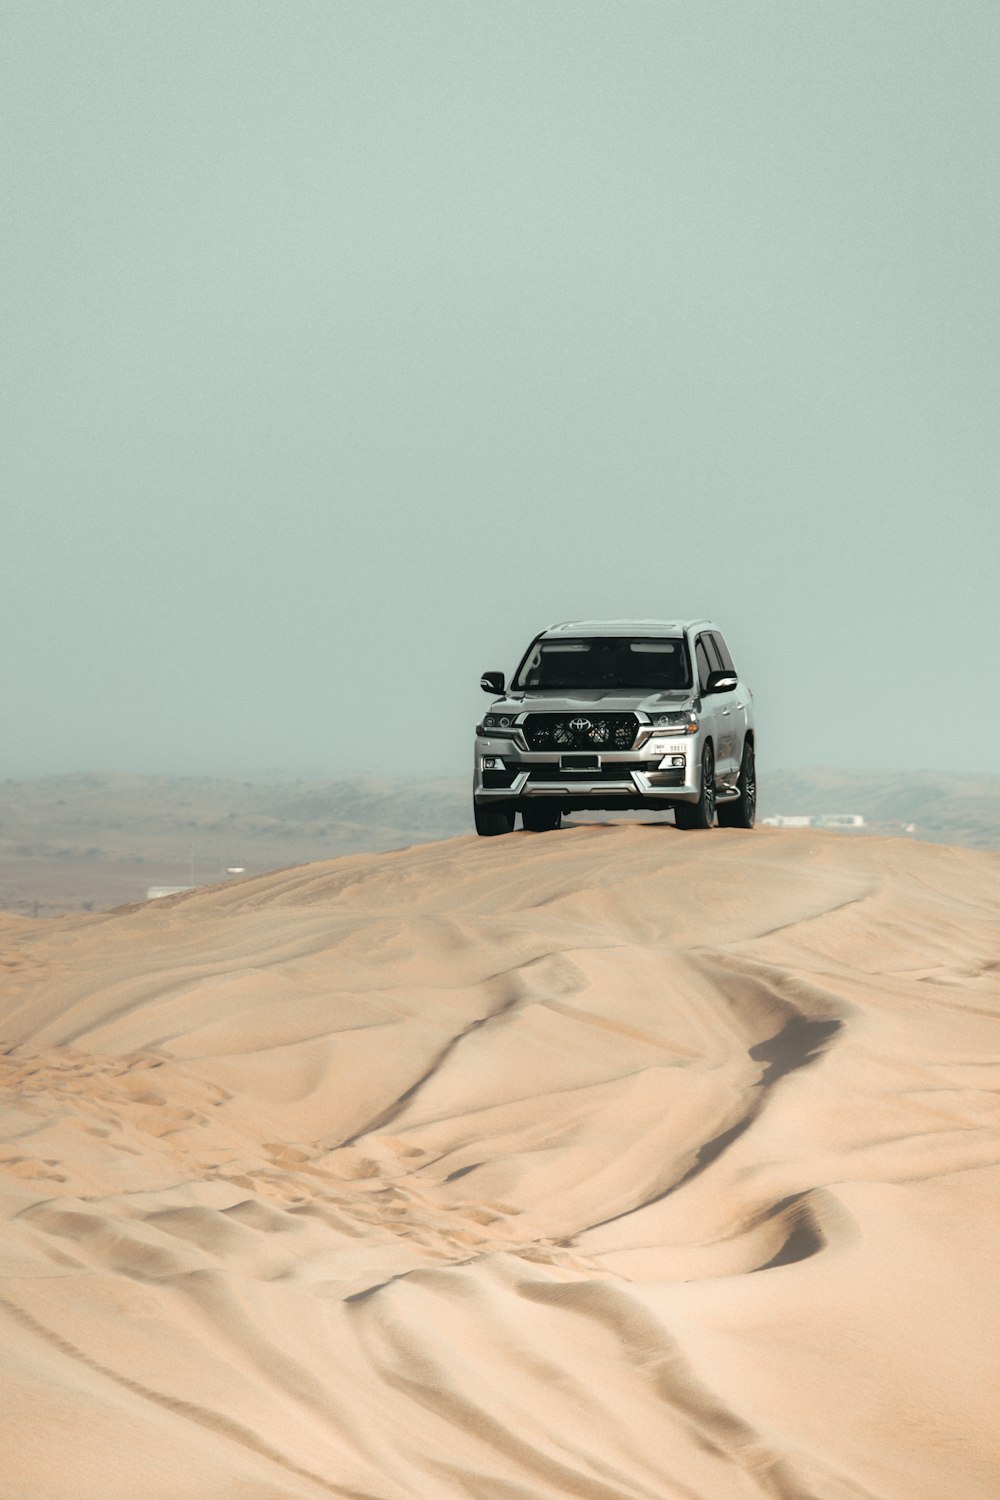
[(87, 842), (617, 1164)]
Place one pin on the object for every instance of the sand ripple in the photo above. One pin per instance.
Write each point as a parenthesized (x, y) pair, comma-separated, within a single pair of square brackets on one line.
[(615, 1164)]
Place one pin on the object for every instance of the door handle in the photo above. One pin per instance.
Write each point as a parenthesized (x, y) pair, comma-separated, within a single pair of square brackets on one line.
[(726, 712)]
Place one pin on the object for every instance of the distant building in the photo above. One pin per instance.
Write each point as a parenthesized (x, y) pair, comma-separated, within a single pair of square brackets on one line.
[(815, 820)]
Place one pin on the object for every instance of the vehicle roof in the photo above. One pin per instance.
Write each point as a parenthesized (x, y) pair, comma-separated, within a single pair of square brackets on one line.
[(625, 627)]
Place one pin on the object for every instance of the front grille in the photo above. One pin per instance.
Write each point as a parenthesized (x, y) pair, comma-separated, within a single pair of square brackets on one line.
[(580, 731), (610, 771)]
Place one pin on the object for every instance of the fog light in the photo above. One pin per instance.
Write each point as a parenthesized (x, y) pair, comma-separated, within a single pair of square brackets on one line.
[(492, 763), (678, 760)]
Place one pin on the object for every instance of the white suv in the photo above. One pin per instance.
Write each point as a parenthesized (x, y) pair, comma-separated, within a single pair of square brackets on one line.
[(636, 714)]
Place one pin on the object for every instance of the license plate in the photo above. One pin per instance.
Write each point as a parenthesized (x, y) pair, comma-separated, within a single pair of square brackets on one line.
[(579, 763)]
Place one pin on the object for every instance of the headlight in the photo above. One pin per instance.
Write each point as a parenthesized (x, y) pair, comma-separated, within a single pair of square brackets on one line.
[(500, 724), (677, 723)]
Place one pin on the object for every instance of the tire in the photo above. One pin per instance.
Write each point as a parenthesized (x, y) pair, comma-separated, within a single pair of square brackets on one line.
[(540, 817), (700, 814), (493, 819), (741, 814)]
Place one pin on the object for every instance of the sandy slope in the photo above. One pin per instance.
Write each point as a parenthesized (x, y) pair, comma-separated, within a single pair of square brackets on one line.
[(608, 1164)]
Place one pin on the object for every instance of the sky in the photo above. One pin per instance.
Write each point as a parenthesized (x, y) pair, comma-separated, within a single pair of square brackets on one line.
[(347, 345)]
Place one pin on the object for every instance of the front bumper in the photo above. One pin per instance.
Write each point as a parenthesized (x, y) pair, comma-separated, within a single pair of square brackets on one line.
[(659, 769)]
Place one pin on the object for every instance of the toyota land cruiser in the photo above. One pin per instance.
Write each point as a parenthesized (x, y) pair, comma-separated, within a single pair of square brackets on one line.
[(617, 714)]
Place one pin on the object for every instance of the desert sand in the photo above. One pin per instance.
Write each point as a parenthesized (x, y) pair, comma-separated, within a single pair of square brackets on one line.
[(617, 1163)]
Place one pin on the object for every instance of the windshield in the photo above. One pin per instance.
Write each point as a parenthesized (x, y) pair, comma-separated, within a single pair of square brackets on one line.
[(605, 662)]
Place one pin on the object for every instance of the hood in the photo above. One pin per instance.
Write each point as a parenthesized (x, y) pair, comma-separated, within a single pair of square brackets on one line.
[(593, 700)]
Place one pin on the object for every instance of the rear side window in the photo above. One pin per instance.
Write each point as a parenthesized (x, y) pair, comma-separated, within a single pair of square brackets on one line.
[(723, 650)]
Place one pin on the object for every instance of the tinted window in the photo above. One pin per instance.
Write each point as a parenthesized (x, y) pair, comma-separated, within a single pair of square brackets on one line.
[(723, 650), (701, 657), (605, 662)]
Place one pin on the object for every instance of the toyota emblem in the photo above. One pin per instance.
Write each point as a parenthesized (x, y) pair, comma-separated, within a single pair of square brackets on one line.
[(580, 725)]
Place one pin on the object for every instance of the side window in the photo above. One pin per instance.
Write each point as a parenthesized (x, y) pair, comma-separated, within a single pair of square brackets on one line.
[(701, 657), (723, 650)]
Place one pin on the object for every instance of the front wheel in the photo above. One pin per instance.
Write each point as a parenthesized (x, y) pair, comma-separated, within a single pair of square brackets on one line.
[(742, 812), (700, 814), (493, 819)]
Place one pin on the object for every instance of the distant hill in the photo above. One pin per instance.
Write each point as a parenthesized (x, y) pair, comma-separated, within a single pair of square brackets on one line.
[(94, 841), (942, 807), (100, 840)]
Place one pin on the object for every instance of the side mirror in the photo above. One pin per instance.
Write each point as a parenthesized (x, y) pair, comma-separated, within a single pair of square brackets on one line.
[(721, 682), (492, 682)]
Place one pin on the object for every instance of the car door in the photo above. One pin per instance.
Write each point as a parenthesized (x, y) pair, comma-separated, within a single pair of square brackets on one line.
[(733, 708)]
